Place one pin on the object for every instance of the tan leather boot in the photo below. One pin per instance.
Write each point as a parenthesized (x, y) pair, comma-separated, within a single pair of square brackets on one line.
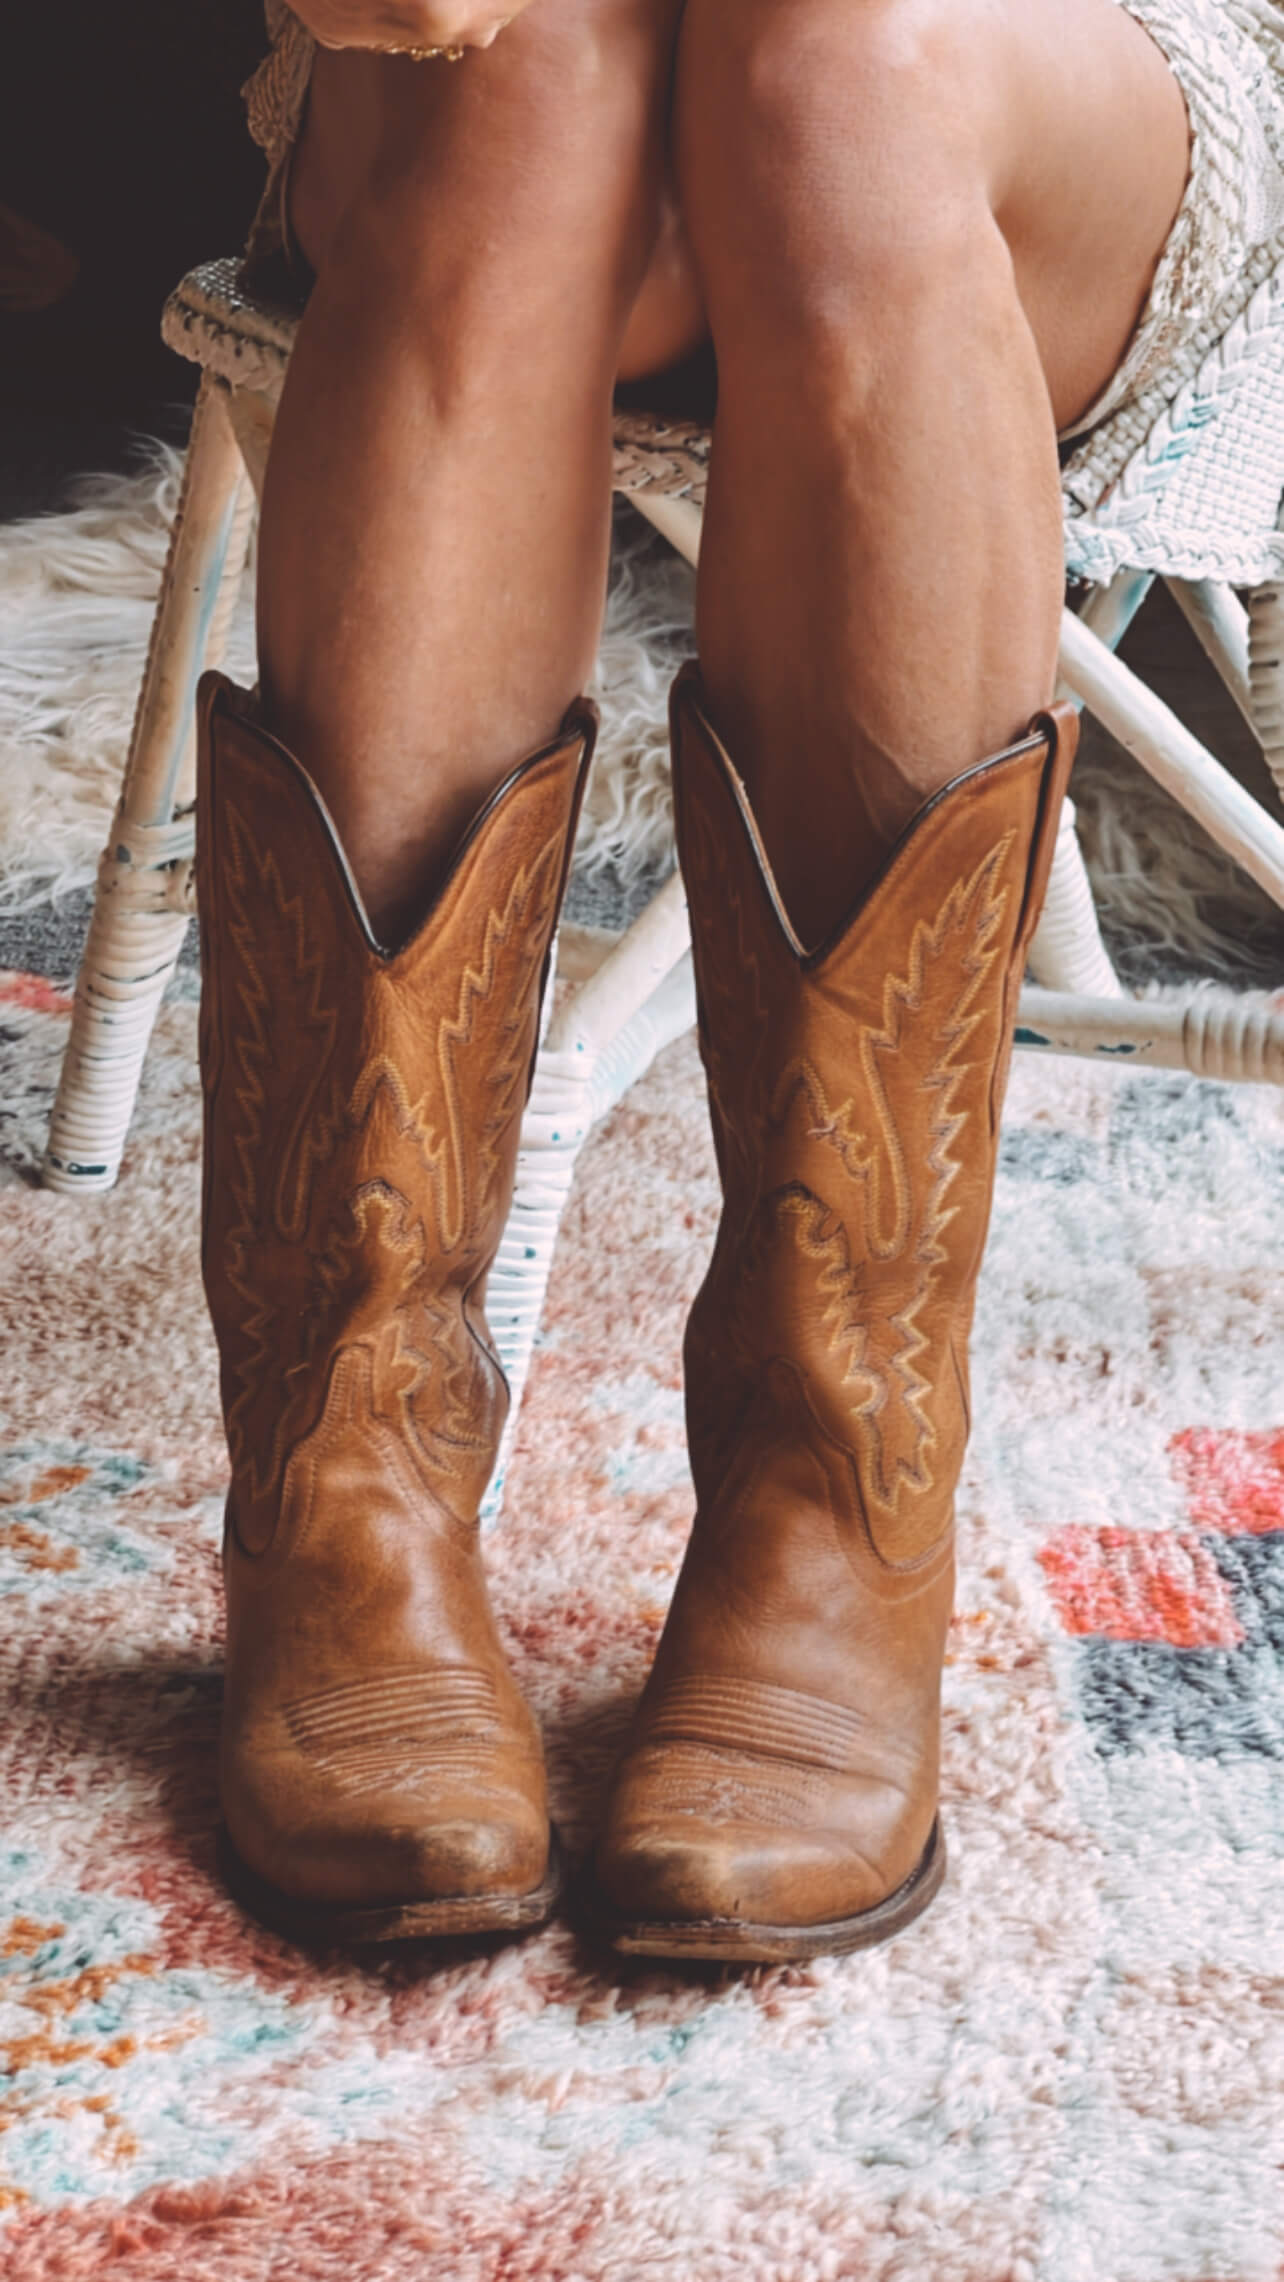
[(381, 1776), (778, 1794)]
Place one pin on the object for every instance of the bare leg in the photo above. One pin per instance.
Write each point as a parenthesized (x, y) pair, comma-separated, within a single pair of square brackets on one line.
[(911, 221), (925, 230), (436, 518)]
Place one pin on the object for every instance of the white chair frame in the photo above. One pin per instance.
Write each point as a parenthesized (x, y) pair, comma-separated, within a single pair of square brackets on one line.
[(604, 1034)]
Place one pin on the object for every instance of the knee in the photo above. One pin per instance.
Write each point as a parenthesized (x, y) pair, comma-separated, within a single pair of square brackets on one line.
[(533, 165), (831, 154)]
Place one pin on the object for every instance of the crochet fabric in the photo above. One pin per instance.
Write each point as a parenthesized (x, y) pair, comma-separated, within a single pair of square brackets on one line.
[(1229, 62)]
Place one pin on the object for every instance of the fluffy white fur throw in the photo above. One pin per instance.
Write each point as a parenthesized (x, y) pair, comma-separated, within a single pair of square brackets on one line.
[(77, 591)]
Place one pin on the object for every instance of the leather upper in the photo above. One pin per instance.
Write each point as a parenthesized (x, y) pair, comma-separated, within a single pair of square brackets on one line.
[(784, 1762), (362, 1119)]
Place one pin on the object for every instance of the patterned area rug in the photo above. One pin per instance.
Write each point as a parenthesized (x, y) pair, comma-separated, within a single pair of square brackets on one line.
[(1071, 2071)]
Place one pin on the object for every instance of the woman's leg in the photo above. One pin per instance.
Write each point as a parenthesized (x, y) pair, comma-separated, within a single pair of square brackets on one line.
[(433, 566), (436, 518), (925, 230)]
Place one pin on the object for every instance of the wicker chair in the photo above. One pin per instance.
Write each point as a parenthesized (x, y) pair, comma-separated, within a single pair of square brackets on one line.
[(605, 1034)]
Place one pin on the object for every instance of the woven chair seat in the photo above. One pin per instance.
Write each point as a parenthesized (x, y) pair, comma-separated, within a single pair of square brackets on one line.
[(239, 337), (1187, 483), (245, 342)]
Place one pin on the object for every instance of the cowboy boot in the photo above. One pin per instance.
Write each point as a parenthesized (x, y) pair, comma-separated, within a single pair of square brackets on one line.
[(381, 1776), (778, 1794)]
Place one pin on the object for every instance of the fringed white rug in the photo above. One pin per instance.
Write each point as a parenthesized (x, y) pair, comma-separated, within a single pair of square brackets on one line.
[(77, 591), (76, 597)]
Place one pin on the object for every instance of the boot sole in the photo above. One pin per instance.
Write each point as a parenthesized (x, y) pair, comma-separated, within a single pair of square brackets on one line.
[(731, 1941), (323, 1926)]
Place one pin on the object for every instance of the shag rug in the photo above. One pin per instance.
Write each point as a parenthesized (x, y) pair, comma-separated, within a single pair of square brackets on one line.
[(1071, 2070)]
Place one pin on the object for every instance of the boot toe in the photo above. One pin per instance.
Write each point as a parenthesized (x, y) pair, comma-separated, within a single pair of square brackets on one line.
[(471, 1850), (711, 1875), (832, 1858), (401, 1848)]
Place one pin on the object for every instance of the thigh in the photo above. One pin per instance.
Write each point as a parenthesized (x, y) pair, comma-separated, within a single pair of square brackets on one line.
[(869, 122)]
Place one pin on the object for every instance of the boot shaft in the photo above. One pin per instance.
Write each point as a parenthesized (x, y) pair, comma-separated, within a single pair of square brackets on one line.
[(855, 1091), (363, 1106)]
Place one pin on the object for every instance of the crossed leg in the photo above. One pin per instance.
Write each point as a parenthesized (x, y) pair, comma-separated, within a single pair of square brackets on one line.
[(889, 231), (911, 271), (922, 231)]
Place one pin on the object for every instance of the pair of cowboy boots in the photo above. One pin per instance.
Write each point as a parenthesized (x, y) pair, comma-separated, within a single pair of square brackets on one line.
[(381, 1776)]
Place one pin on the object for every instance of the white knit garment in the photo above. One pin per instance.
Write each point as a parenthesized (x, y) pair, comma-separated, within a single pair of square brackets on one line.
[(1228, 58)]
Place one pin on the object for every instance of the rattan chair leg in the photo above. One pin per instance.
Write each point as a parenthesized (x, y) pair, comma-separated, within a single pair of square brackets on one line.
[(680, 521), (143, 898), (1266, 675), (1108, 611), (1211, 1033), (1218, 620), (252, 412), (605, 1035), (1152, 733), (1067, 953)]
